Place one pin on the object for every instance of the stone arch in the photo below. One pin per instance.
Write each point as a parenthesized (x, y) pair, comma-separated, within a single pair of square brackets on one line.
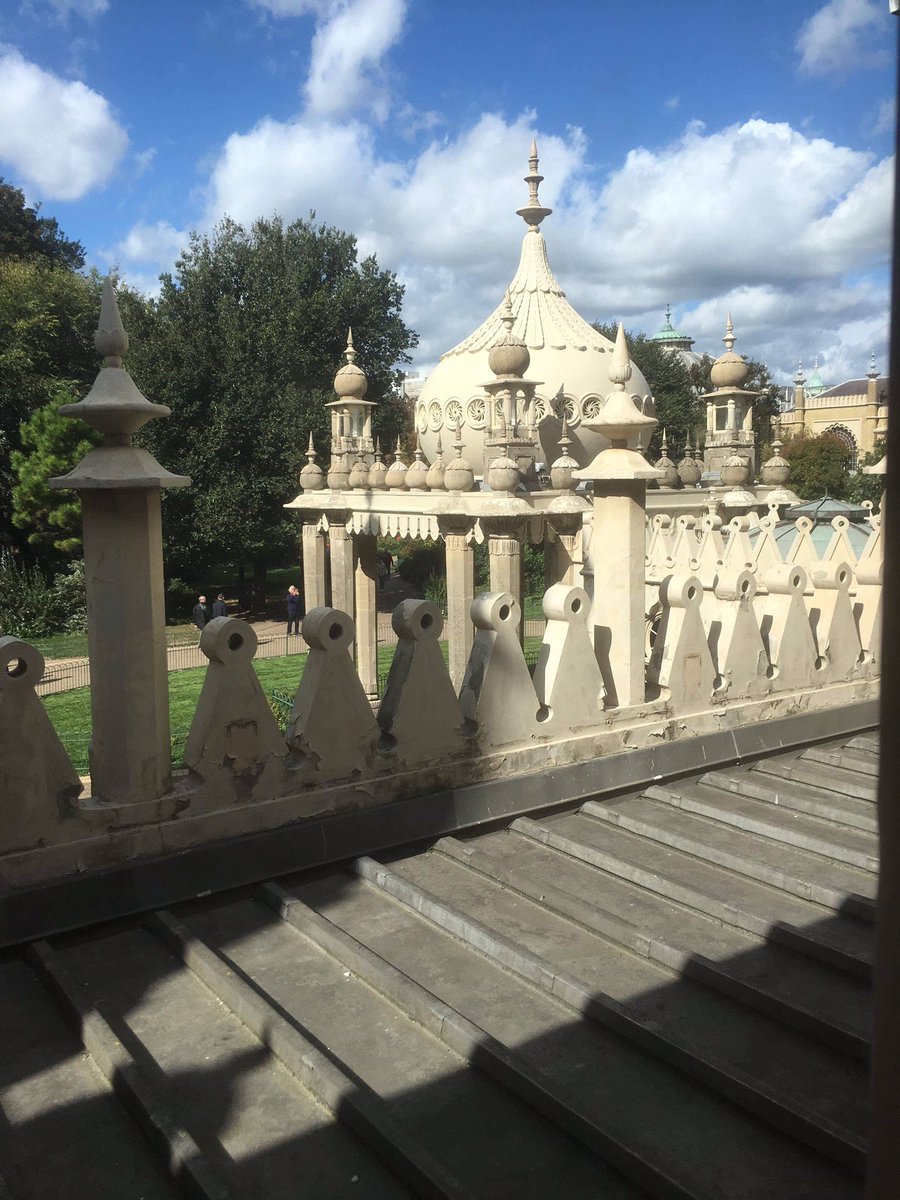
[(843, 434)]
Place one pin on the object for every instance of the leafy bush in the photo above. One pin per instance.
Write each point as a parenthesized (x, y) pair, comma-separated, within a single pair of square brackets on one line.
[(71, 598), (29, 605), (419, 561), (436, 591)]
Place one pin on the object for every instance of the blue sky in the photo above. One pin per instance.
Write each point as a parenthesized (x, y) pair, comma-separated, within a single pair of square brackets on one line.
[(718, 156)]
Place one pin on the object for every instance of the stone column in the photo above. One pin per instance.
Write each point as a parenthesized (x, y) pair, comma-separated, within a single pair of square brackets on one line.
[(618, 538), (505, 558), (365, 578), (710, 417), (563, 556), (314, 591), (341, 552), (460, 594), (119, 485)]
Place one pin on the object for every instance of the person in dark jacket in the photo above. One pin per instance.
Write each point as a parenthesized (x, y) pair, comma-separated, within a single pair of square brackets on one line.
[(293, 609), (200, 615), (220, 608)]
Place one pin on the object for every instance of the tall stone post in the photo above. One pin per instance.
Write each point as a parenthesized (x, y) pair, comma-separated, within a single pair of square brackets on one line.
[(119, 486), (365, 578), (563, 555), (460, 594), (618, 538), (313, 564), (341, 551), (505, 556)]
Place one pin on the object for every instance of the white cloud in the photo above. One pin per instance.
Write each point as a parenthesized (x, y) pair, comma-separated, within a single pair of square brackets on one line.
[(296, 8), (672, 102), (843, 36), (87, 9), (757, 214), (884, 118), (60, 136), (145, 243), (345, 72)]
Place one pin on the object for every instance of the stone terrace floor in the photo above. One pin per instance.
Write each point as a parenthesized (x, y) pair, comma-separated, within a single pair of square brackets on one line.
[(666, 994)]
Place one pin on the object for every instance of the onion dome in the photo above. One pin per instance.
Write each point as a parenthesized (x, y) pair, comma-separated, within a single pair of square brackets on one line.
[(359, 473), (417, 472), (668, 471), (509, 354), (312, 477), (729, 370), (689, 470), (734, 471), (338, 477), (503, 473), (350, 381), (396, 473), (378, 471), (434, 480), (776, 470), (459, 476), (561, 471)]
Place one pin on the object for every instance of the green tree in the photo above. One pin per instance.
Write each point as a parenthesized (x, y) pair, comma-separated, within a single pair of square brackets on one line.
[(678, 408), (243, 343), (819, 465), (868, 487), (51, 445), (48, 315), (24, 234)]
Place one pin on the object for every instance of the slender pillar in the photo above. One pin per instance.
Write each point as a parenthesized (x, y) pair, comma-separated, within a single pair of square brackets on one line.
[(365, 577), (119, 485), (618, 605), (505, 558), (341, 551), (563, 554), (460, 594), (313, 565)]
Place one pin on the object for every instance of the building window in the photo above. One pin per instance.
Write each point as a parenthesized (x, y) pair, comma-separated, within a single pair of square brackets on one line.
[(844, 434)]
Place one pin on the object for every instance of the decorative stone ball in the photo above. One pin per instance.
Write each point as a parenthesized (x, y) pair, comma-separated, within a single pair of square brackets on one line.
[(689, 471), (734, 471), (351, 381), (416, 476), (396, 476), (378, 476), (434, 480), (459, 476), (359, 474), (669, 477), (509, 356), (776, 471), (503, 474), (728, 371), (562, 472), (312, 477), (338, 475)]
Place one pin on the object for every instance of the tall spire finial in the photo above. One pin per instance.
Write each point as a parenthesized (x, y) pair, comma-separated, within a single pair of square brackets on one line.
[(533, 212), (668, 314), (799, 378), (350, 353), (872, 372), (729, 338)]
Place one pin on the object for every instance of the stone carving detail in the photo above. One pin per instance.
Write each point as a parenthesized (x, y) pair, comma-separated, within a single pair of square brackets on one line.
[(234, 729), (453, 414), (734, 639), (476, 413), (435, 415), (567, 678), (419, 713), (331, 723), (38, 783), (785, 628), (591, 406), (833, 625), (497, 698), (681, 660), (421, 418)]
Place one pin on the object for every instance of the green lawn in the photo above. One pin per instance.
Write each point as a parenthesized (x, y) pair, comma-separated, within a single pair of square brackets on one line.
[(74, 645), (70, 712)]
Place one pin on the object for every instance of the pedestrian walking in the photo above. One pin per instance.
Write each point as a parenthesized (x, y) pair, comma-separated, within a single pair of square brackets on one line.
[(200, 615), (220, 608), (294, 605)]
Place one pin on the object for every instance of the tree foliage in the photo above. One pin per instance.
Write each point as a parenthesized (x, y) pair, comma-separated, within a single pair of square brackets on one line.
[(819, 465), (243, 343), (48, 315), (24, 234), (51, 445), (863, 487)]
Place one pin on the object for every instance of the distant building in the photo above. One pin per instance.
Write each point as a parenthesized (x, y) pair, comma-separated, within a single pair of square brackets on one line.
[(855, 410), (677, 343)]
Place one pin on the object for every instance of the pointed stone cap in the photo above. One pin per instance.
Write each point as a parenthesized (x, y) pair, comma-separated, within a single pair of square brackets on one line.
[(312, 477), (434, 480), (872, 372), (378, 471), (729, 370), (668, 472), (338, 477), (417, 472), (562, 471), (350, 383), (503, 473), (734, 471), (359, 473), (689, 470), (396, 473), (619, 418), (116, 408), (459, 476), (533, 212), (799, 378)]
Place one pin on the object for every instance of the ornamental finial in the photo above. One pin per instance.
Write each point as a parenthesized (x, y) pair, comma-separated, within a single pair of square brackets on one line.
[(533, 212)]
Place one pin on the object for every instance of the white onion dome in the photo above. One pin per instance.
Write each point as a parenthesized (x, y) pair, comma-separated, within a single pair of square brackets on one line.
[(564, 351), (350, 381), (729, 370)]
